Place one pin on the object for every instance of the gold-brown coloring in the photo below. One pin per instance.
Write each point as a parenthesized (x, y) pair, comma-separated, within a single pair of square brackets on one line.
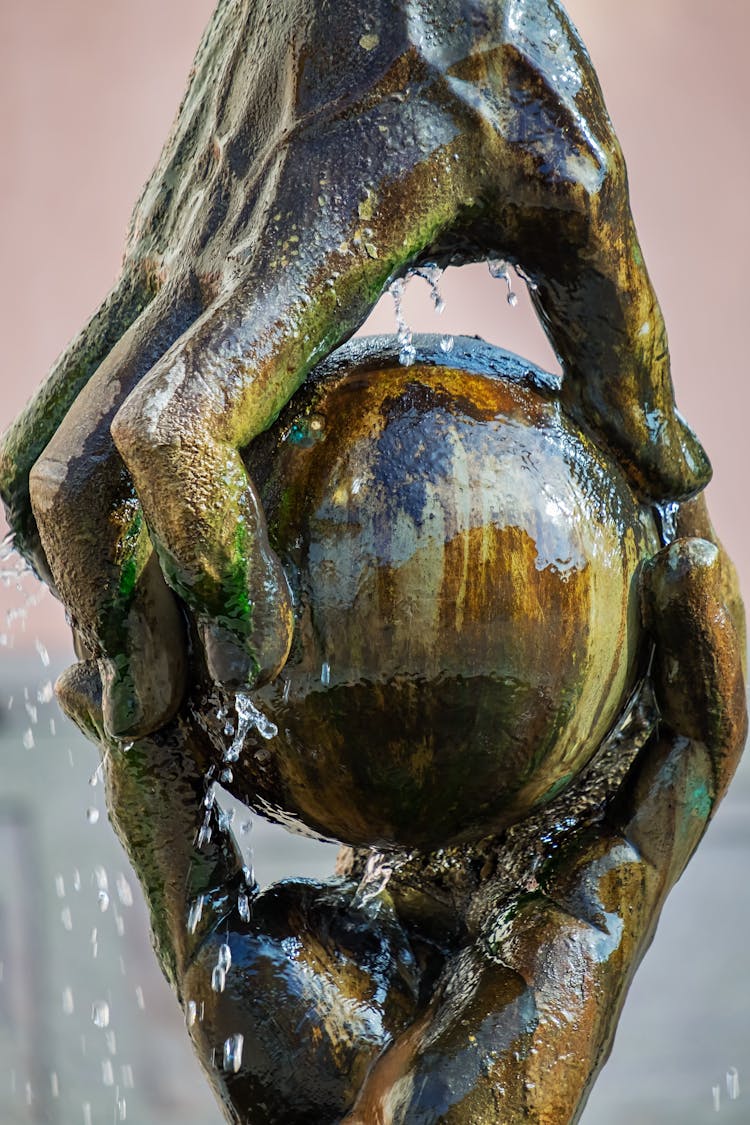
[(471, 621)]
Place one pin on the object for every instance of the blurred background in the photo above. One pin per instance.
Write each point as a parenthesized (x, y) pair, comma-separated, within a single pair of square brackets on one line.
[(87, 94)]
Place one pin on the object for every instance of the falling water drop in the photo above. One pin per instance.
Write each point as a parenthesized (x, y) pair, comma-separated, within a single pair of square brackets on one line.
[(407, 352), (92, 816), (195, 913), (225, 958), (733, 1084), (100, 1013), (191, 1013), (218, 978), (233, 1053)]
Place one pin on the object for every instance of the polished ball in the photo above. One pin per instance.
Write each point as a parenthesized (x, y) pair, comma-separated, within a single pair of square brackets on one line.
[(464, 564)]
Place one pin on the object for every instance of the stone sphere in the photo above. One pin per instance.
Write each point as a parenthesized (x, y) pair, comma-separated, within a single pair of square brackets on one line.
[(464, 562)]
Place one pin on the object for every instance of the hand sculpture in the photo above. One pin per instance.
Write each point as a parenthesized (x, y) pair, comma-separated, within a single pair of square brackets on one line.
[(318, 154)]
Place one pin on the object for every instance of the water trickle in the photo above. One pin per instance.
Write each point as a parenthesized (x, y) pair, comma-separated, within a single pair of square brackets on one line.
[(233, 1053), (248, 718), (500, 269), (431, 273), (100, 1014), (667, 514), (374, 881), (407, 352)]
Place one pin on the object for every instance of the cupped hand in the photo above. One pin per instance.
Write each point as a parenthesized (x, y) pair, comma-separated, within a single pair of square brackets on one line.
[(319, 153)]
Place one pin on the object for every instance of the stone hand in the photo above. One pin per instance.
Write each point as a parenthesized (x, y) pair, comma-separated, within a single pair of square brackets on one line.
[(474, 986), (320, 151)]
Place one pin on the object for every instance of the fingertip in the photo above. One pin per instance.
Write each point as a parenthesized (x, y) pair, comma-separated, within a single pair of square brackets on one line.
[(79, 695)]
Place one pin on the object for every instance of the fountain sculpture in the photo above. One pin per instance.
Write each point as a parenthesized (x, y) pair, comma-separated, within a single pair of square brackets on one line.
[(466, 618)]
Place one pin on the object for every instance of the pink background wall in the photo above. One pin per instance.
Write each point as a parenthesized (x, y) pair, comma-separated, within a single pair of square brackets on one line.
[(87, 92)]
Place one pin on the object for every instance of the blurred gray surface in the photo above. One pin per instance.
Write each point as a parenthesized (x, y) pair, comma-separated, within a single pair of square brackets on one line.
[(686, 1022)]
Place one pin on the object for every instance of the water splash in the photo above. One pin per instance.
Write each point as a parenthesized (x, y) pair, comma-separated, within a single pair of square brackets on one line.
[(248, 718), (378, 871)]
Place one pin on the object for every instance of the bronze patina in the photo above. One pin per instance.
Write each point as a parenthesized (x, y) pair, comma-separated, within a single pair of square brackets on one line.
[(477, 616)]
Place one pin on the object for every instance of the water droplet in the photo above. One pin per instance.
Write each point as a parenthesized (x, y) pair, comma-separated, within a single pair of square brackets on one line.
[(225, 958), (716, 1096), (68, 1005), (100, 1014), (108, 1075), (243, 907), (28, 739), (59, 886), (325, 674), (103, 899), (733, 1084), (43, 654), (512, 299), (139, 997), (92, 816), (127, 1076), (124, 890), (195, 914), (233, 1053), (122, 1109), (226, 817), (218, 979), (87, 1119), (54, 1083), (66, 918), (191, 1013), (446, 344)]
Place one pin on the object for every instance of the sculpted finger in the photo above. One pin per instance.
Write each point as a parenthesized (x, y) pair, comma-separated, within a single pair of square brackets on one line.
[(698, 653), (313, 280), (24, 442), (96, 541)]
